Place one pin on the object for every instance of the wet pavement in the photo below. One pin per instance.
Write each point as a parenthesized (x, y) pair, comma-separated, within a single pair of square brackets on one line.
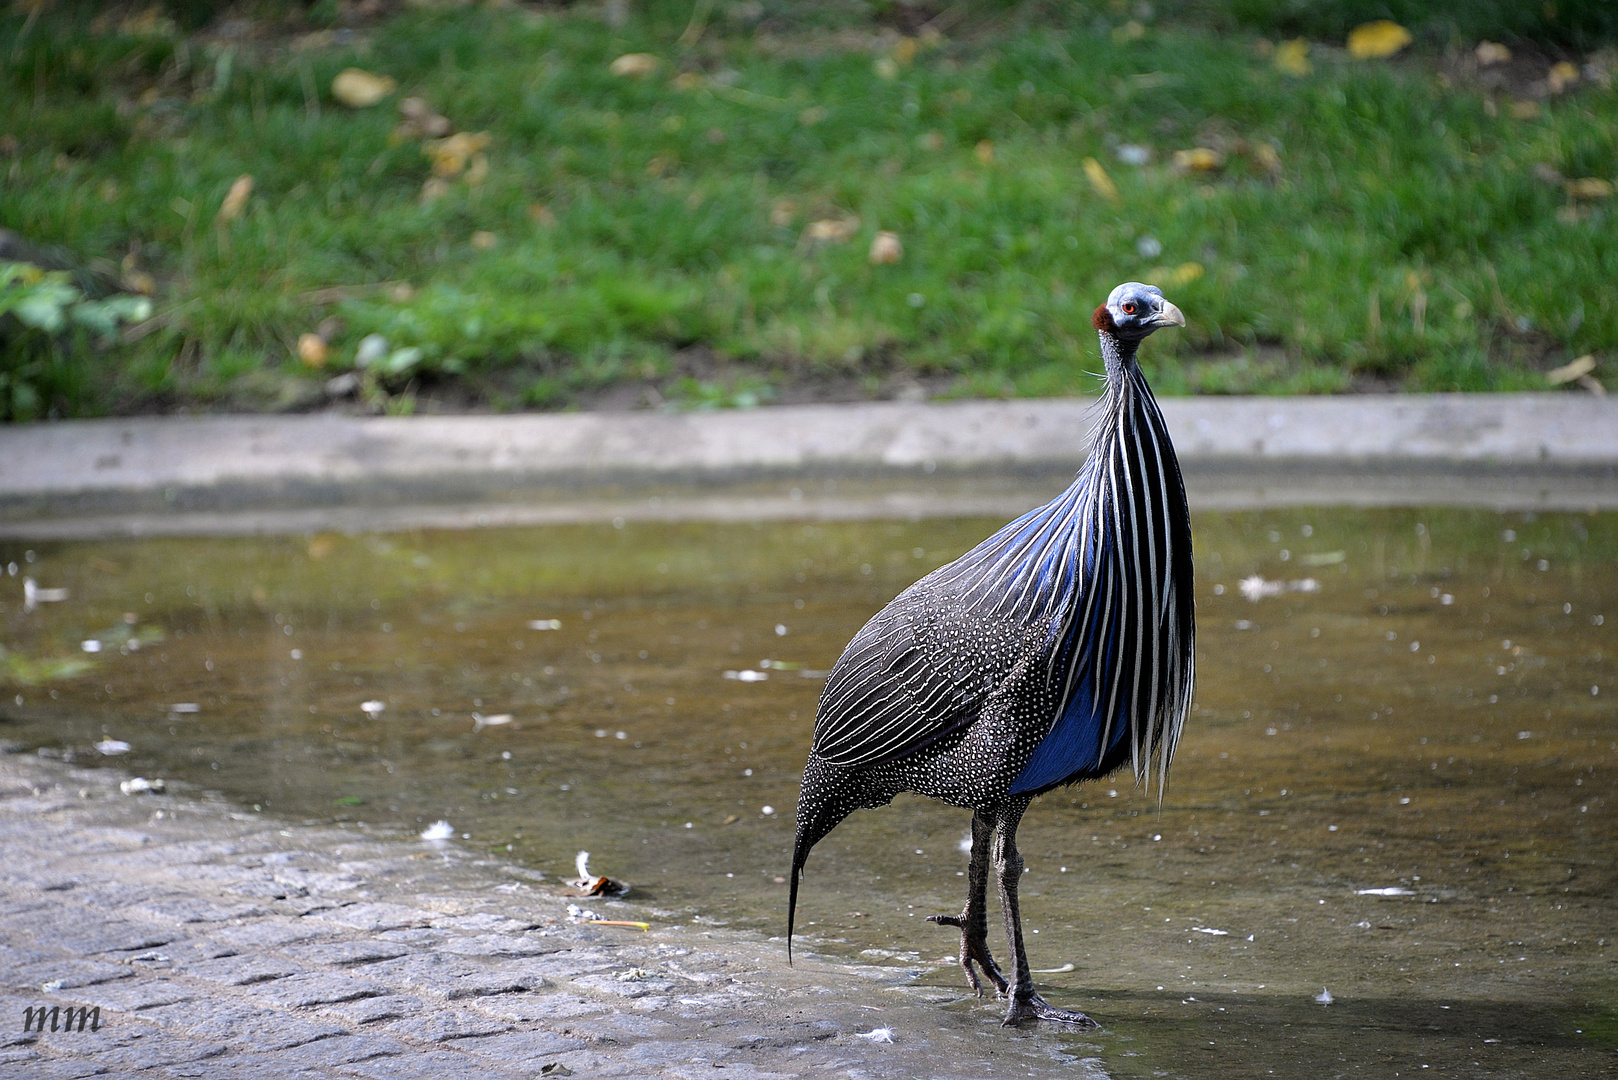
[(1396, 790)]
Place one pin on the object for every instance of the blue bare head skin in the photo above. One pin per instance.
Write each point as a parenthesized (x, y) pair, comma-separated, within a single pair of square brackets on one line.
[(1133, 311)]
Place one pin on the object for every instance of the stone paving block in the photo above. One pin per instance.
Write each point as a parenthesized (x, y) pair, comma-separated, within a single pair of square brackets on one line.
[(486, 921), (522, 1049), (134, 995), (311, 1059), (376, 916), (612, 986), (431, 1065), (236, 1022), (302, 991), (241, 1067), (374, 1009), (500, 945), (61, 1069), (274, 932), (241, 970), (191, 909), (571, 962), (424, 972), (154, 1050), (442, 1025), (526, 1008), (68, 973), (87, 935), (493, 981), (347, 953), (416, 937)]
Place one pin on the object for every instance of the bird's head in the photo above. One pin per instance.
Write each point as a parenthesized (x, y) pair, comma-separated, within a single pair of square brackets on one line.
[(1134, 310)]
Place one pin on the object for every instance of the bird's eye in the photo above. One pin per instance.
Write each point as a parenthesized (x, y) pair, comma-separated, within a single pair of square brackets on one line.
[(1129, 307)]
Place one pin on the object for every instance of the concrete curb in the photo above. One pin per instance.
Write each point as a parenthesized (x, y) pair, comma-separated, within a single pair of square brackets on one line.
[(292, 473)]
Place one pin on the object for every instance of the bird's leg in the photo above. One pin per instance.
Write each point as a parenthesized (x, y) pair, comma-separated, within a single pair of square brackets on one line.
[(973, 921), (1026, 1004)]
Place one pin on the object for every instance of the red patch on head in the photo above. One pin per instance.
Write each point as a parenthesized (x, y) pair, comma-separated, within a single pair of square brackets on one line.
[(1102, 320)]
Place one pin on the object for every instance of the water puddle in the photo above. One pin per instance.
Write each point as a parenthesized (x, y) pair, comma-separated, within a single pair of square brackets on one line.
[(1397, 788)]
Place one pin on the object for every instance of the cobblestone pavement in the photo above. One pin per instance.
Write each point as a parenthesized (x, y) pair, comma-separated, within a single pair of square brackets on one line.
[(221, 944)]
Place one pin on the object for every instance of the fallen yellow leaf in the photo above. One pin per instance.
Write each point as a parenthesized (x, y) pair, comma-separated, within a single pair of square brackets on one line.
[(1490, 53), (1099, 180), (1571, 370), (1267, 158), (782, 212), (1292, 58), (235, 200), (483, 240), (905, 51), (450, 155), (886, 249), (1185, 274), (540, 214), (1589, 187), (1198, 159), (313, 350), (360, 89), (687, 80), (984, 152), (1562, 76), (1377, 40), (635, 65)]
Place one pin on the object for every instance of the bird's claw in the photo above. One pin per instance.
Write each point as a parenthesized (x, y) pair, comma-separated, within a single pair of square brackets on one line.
[(1035, 1007), (974, 950)]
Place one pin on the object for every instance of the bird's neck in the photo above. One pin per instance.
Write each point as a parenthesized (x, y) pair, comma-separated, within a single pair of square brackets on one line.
[(1119, 357)]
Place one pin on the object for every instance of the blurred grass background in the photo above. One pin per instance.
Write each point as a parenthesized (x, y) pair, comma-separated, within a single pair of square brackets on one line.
[(696, 227)]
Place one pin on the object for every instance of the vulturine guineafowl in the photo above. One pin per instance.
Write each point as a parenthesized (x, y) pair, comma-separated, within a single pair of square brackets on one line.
[(1057, 650)]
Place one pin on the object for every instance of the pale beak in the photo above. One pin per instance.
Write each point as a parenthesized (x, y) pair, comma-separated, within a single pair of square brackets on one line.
[(1169, 316)]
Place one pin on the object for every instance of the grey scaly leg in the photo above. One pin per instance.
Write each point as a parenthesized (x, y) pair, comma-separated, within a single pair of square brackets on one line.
[(1008, 865), (973, 921)]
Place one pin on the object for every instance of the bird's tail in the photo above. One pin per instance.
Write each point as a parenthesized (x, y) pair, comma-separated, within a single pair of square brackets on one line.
[(820, 809)]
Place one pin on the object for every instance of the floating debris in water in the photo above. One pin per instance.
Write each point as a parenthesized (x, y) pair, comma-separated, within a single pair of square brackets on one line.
[(747, 675), (1210, 930), (767, 811), (876, 1035), (544, 624), (578, 914), (1043, 971), (1257, 588), (438, 830), (139, 785), (113, 746), (1324, 997), (373, 709), (780, 665), (479, 721), (90, 646), (1389, 890), (590, 884), (33, 595)]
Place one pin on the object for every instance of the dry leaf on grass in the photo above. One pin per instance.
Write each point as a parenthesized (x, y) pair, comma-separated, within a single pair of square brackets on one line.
[(984, 152), (1200, 159), (1292, 58), (1377, 40), (1589, 187), (831, 230), (886, 249), (1490, 53), (359, 89), (451, 154), (635, 65), (235, 200), (1099, 180), (313, 350), (1562, 77)]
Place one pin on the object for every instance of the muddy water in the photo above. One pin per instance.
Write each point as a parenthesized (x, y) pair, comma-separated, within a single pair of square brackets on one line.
[(1418, 703)]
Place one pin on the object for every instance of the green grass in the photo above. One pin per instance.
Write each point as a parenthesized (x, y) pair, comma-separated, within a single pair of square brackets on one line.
[(652, 230)]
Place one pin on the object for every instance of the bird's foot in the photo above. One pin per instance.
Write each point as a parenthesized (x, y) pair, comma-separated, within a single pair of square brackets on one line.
[(1034, 1007), (974, 951)]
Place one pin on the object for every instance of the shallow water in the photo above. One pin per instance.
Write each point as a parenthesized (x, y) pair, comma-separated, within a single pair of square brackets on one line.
[(1432, 716)]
